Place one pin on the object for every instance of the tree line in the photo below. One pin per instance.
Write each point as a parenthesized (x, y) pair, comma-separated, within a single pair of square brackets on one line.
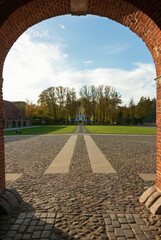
[(54, 105), (100, 105)]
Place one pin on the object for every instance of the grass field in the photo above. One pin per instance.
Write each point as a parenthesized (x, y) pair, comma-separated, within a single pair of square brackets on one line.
[(121, 130), (60, 129)]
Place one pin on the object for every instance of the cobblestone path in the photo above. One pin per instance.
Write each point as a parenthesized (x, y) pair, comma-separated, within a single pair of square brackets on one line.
[(80, 204)]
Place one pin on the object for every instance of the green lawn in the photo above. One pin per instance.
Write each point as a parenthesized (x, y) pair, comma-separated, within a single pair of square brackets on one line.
[(121, 130), (58, 129)]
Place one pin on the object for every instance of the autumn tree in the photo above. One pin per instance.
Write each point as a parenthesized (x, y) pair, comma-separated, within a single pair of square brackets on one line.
[(115, 100), (143, 107), (61, 96), (107, 96), (71, 104), (101, 103), (94, 94), (132, 108), (86, 101), (30, 110), (48, 99), (57, 104), (123, 115)]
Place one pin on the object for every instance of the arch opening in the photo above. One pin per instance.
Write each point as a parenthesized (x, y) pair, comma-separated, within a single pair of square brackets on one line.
[(122, 12)]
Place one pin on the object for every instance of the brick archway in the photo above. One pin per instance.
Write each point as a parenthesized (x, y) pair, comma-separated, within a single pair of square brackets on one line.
[(142, 17)]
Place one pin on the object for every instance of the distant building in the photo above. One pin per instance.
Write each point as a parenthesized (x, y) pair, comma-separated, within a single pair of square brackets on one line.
[(13, 117), (80, 117)]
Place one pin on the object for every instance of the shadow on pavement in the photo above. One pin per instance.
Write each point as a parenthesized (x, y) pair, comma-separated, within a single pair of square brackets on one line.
[(15, 138), (31, 225)]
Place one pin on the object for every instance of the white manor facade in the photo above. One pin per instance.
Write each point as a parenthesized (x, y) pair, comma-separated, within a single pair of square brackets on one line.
[(80, 117)]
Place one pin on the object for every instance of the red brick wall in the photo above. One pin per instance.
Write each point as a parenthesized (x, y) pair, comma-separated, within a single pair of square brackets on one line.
[(2, 162), (158, 116), (18, 15)]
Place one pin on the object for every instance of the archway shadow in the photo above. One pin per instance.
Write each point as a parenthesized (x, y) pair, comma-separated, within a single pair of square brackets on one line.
[(16, 138), (31, 225)]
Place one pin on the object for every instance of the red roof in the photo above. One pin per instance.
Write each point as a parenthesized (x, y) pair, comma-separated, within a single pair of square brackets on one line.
[(11, 111)]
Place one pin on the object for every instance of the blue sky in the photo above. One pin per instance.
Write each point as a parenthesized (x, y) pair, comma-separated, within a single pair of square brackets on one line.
[(76, 51)]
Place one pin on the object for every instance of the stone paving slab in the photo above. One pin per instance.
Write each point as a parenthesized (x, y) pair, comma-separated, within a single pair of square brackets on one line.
[(11, 177), (98, 161), (62, 161), (148, 177)]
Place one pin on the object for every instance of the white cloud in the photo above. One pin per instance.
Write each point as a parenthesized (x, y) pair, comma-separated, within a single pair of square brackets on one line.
[(114, 49), (62, 26), (32, 67), (135, 83), (29, 67), (39, 33), (88, 62)]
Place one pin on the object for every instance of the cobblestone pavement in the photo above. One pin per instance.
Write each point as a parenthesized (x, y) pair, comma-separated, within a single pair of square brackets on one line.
[(80, 204)]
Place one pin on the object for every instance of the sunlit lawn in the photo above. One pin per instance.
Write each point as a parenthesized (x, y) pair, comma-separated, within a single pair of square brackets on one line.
[(121, 130), (56, 129)]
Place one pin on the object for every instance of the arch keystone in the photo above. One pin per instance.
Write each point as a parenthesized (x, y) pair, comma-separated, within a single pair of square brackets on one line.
[(79, 7)]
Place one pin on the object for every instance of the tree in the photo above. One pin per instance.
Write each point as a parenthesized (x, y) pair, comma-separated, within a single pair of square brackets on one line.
[(86, 101), (143, 107), (93, 93), (132, 109), (101, 103), (71, 104), (42, 112), (61, 95), (107, 92), (48, 98), (115, 100), (30, 110), (123, 114)]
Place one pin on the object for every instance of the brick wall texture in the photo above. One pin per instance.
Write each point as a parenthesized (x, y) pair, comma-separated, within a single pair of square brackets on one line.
[(143, 17)]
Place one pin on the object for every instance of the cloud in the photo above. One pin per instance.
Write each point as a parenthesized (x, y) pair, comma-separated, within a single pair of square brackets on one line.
[(88, 62), (39, 33), (31, 67), (62, 26), (135, 83), (114, 49)]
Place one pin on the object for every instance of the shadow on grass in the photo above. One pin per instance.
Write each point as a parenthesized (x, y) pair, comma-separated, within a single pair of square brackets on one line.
[(40, 130)]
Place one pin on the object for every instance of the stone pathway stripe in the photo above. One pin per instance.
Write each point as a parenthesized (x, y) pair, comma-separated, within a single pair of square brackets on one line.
[(148, 177), (98, 161), (62, 161), (11, 177)]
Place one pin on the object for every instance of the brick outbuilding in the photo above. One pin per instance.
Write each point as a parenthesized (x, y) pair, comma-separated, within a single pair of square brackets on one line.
[(13, 117)]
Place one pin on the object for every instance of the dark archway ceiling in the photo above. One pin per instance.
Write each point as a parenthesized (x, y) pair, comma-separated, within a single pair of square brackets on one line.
[(151, 7)]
